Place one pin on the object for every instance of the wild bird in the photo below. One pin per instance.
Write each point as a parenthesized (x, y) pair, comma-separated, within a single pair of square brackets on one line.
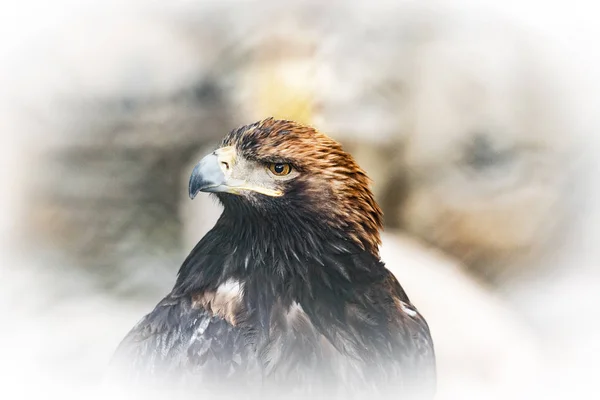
[(287, 291)]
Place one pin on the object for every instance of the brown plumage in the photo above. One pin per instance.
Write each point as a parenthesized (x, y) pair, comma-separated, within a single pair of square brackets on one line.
[(334, 181), (287, 291)]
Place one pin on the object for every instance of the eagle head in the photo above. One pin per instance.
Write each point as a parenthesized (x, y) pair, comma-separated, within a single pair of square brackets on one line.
[(279, 170)]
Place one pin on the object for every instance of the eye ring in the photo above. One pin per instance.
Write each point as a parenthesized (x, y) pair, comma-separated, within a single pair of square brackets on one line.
[(280, 169)]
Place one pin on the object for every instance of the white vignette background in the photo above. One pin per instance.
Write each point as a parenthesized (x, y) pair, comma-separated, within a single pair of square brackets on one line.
[(28, 336)]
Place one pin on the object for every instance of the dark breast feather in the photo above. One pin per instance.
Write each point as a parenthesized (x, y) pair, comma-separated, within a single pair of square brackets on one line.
[(182, 343), (342, 322)]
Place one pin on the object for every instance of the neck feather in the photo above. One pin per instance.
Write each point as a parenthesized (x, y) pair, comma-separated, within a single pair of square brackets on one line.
[(290, 256)]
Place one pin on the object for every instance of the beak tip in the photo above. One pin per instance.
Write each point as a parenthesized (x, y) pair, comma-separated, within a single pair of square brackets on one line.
[(195, 183)]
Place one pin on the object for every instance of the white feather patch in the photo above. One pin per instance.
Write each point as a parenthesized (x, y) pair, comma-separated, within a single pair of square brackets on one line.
[(224, 302), (411, 312), (231, 288)]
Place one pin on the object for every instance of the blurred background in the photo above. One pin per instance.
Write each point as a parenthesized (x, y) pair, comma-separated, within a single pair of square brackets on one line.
[(477, 122)]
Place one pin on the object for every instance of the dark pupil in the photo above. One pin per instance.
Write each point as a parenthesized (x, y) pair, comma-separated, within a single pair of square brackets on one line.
[(279, 168)]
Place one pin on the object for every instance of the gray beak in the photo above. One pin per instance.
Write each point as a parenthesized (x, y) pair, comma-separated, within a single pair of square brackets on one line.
[(207, 176)]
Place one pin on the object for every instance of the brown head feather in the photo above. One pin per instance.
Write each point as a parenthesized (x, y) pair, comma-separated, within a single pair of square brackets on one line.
[(338, 187)]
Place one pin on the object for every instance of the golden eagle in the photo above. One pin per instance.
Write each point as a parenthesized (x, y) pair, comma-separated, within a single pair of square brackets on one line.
[(287, 291)]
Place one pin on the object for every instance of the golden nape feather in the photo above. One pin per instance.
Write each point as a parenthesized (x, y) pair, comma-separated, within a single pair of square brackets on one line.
[(336, 186)]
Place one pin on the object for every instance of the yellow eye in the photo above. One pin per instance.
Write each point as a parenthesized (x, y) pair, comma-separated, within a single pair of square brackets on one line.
[(280, 169)]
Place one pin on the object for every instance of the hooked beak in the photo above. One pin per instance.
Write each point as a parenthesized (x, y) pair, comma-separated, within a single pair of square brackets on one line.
[(209, 174), (213, 174)]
